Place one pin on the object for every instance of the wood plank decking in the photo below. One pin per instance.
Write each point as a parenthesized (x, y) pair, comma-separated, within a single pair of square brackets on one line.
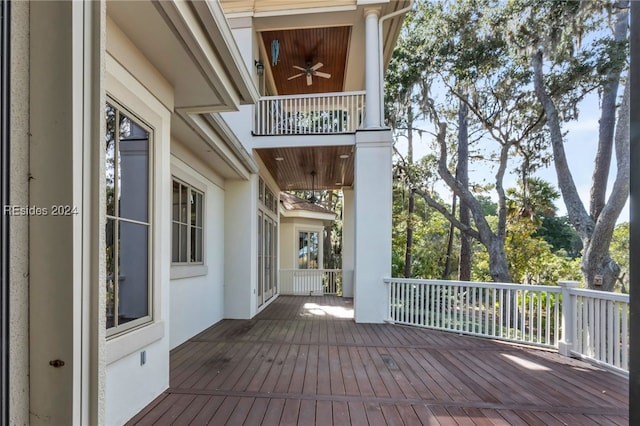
[(304, 361)]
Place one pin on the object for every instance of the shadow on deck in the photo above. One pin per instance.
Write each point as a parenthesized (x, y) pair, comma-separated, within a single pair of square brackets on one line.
[(303, 360)]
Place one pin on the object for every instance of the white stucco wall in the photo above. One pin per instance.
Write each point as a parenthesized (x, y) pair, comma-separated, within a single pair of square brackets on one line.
[(240, 258), (348, 242), (19, 226), (241, 122), (288, 245), (197, 292), (130, 385), (289, 232)]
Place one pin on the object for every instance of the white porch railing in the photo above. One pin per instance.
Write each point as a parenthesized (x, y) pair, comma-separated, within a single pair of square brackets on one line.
[(600, 327), (525, 314), (315, 282), (323, 113), (585, 323)]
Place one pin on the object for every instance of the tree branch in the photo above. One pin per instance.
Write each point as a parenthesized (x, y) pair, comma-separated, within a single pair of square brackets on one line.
[(575, 208), (447, 214)]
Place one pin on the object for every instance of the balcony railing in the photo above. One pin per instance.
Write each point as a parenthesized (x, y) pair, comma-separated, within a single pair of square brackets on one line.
[(319, 114), (314, 282), (585, 323)]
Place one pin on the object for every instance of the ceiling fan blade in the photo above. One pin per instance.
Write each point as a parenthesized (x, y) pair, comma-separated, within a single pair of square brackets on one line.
[(295, 76), (299, 68), (309, 80), (322, 74), (317, 66)]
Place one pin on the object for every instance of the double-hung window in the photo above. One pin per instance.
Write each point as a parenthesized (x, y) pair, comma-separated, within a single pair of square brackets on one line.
[(187, 224), (128, 226)]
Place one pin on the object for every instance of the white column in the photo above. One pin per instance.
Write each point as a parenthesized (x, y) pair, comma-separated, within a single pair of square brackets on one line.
[(348, 242), (66, 298), (372, 69), (373, 200), (565, 345)]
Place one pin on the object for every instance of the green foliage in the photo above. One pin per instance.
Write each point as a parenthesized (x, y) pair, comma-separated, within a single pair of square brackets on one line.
[(430, 238), (560, 234), (620, 253), (479, 52)]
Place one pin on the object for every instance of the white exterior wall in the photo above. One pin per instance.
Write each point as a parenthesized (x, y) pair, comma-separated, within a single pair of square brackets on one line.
[(66, 335), (130, 386), (19, 225), (288, 245), (240, 261), (348, 242), (241, 122), (197, 292), (289, 230), (373, 201)]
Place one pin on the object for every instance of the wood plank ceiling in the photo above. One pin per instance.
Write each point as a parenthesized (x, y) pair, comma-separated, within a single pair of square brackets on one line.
[(302, 47), (292, 167)]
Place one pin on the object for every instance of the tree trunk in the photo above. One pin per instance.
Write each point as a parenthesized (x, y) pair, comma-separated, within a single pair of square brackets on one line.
[(462, 173), (408, 254), (607, 126), (598, 269), (498, 265), (494, 242), (447, 260)]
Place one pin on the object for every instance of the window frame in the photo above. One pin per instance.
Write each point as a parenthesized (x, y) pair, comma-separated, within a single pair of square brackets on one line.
[(119, 330), (190, 188)]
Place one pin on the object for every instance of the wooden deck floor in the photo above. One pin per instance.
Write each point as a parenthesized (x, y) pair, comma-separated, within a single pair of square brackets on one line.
[(304, 361)]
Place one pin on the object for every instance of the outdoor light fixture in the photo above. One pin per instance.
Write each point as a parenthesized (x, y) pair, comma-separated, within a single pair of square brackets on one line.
[(259, 68), (313, 198)]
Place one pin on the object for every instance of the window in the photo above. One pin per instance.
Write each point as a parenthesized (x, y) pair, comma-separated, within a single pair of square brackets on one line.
[(267, 243), (308, 250), (187, 235), (128, 227)]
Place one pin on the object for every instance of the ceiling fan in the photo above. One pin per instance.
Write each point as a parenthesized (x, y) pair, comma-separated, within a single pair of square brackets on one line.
[(310, 71)]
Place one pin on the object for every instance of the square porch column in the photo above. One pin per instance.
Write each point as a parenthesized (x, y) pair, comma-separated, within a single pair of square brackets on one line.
[(372, 223)]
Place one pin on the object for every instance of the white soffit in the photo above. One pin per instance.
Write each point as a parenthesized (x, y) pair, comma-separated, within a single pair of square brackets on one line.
[(172, 36)]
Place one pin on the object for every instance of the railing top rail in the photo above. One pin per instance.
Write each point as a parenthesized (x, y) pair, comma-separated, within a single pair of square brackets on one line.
[(498, 286), (313, 95), (299, 270), (597, 294)]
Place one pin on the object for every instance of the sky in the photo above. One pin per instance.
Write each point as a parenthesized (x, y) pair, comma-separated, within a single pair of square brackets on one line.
[(580, 146)]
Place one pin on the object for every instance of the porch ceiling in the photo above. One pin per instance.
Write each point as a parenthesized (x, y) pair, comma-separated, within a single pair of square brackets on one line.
[(308, 47), (291, 167)]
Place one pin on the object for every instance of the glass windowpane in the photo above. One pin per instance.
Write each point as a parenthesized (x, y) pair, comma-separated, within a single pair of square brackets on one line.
[(175, 201), (183, 243), (133, 276), (133, 170), (184, 194), (111, 271), (175, 242)]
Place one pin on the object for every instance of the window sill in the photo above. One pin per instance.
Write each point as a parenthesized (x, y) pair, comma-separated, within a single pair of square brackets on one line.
[(188, 271), (133, 341)]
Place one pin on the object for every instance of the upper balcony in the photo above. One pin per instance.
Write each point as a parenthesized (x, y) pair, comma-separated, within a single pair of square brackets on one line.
[(314, 114), (315, 64)]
